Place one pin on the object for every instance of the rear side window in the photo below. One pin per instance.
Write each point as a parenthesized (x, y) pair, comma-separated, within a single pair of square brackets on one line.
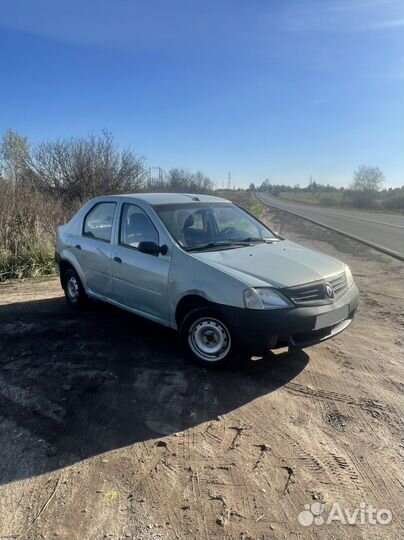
[(98, 222), (136, 227)]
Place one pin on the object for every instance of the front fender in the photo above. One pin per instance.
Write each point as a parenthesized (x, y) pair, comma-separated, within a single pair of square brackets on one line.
[(191, 276)]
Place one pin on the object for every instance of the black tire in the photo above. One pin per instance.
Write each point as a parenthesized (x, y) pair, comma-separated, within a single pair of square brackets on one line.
[(74, 290), (207, 339)]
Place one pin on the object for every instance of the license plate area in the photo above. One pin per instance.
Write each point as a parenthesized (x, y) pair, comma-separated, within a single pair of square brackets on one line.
[(331, 317)]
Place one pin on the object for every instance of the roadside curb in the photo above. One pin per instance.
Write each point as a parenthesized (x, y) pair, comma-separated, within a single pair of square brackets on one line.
[(384, 250)]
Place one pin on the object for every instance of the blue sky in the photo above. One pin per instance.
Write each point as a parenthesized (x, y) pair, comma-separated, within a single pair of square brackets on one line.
[(279, 89)]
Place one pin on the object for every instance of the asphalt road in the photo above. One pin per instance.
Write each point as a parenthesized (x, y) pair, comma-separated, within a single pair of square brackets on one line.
[(385, 231)]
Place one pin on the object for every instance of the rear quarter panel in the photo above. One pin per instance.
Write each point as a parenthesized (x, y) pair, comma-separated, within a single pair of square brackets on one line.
[(65, 252), (68, 236)]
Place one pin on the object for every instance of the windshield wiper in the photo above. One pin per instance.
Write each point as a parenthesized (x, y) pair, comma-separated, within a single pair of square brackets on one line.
[(256, 239), (227, 243)]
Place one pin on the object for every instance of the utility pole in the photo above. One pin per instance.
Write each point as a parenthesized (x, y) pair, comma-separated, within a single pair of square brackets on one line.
[(155, 176), (229, 181)]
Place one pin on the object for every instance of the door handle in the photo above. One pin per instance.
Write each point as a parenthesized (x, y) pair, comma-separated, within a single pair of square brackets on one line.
[(117, 259), (77, 246)]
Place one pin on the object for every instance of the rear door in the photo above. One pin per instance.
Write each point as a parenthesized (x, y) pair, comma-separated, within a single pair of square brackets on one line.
[(93, 248), (140, 280)]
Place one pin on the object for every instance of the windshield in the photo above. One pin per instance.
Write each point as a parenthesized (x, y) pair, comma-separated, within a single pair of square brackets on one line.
[(210, 225)]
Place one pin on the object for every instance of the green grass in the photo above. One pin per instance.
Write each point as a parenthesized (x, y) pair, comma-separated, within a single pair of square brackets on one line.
[(246, 199), (390, 205), (27, 265), (334, 198), (255, 207)]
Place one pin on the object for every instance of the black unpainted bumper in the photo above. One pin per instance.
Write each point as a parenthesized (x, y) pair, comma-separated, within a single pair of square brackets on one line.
[(257, 331)]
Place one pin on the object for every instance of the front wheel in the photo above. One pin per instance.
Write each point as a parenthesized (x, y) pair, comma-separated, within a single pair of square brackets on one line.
[(207, 339)]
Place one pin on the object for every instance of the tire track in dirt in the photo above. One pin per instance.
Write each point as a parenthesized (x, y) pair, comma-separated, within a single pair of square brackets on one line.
[(341, 408), (372, 406)]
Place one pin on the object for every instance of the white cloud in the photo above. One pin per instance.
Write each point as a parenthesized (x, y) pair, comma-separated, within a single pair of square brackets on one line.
[(343, 16), (385, 25)]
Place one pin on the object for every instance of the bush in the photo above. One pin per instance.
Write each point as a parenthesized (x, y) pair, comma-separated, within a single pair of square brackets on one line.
[(27, 265), (327, 201), (28, 219), (394, 203)]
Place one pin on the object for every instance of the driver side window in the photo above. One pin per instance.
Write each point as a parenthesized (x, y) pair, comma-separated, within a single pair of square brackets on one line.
[(136, 227)]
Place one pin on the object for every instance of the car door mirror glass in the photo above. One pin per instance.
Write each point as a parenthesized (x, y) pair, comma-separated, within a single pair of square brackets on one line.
[(152, 248)]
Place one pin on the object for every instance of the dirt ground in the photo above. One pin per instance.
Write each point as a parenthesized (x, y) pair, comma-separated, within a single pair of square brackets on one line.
[(107, 432)]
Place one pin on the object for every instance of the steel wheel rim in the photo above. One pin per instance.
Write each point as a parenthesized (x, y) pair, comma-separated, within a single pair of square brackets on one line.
[(209, 339), (72, 288)]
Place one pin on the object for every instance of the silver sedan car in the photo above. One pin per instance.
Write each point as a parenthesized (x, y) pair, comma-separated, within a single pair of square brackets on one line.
[(207, 268)]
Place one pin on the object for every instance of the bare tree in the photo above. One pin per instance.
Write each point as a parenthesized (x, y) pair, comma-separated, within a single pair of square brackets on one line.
[(14, 156), (183, 181), (366, 183), (18, 211), (79, 169)]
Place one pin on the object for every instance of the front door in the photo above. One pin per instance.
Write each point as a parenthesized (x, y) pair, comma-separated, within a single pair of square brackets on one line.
[(139, 280)]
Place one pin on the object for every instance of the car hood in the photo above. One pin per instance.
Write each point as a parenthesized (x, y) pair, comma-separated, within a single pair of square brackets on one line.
[(280, 264)]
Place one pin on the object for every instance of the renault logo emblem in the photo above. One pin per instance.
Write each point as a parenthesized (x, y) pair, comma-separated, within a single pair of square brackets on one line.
[(329, 291)]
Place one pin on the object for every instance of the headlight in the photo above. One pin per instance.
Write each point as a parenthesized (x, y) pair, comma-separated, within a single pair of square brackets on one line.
[(265, 298), (349, 278)]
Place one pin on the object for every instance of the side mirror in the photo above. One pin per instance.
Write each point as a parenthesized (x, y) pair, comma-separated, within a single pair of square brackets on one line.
[(152, 248)]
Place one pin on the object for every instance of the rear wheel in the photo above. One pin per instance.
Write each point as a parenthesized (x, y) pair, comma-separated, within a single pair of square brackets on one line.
[(207, 339), (74, 291)]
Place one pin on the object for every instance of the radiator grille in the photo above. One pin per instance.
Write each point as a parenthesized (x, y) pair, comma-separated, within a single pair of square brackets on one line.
[(339, 284), (312, 293)]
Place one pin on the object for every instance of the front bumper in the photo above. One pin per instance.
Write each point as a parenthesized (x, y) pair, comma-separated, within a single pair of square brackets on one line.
[(257, 331)]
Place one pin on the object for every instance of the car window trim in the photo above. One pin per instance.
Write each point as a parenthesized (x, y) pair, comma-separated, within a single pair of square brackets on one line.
[(120, 227), (112, 224)]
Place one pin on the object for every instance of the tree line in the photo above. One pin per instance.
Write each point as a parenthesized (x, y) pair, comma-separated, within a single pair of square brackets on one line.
[(365, 191)]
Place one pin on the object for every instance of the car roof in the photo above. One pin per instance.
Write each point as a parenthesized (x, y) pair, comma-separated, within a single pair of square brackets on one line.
[(173, 198)]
